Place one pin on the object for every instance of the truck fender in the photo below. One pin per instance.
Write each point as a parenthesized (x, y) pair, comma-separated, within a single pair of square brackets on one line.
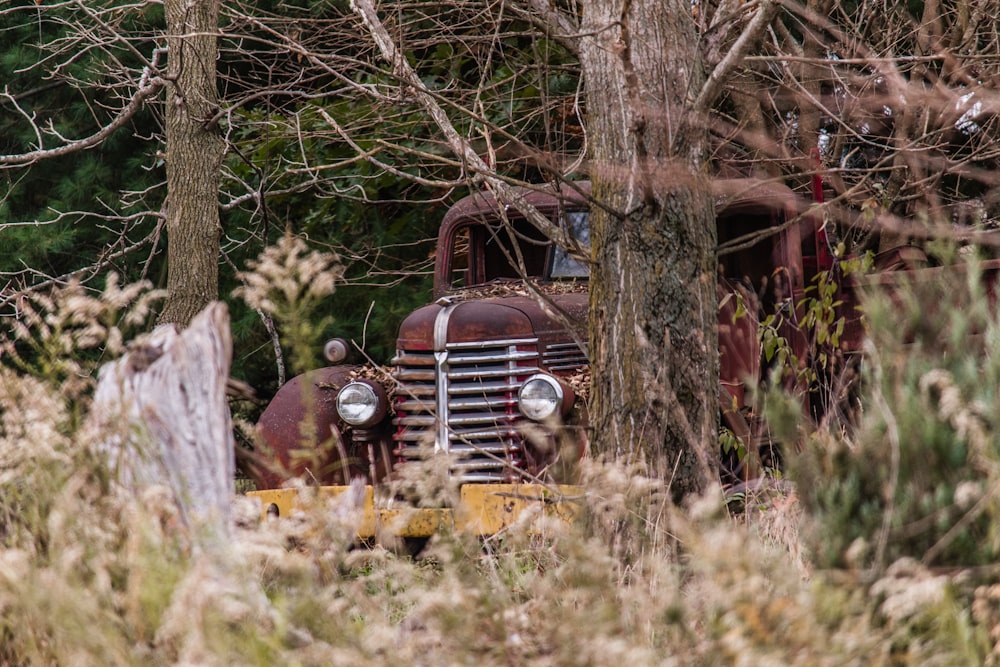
[(301, 433)]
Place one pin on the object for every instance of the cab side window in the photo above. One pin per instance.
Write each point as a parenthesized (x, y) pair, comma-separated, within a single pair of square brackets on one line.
[(565, 265), (461, 261)]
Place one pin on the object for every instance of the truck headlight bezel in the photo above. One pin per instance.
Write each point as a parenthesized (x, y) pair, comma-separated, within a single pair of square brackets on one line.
[(361, 403), (542, 396)]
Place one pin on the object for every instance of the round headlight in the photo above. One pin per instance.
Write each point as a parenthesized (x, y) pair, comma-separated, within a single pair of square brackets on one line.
[(540, 397), (359, 404)]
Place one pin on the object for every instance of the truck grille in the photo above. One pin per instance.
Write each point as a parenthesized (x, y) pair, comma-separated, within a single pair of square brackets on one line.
[(473, 388), (563, 357)]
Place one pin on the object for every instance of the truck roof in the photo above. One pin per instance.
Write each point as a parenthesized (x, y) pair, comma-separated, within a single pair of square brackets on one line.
[(738, 193)]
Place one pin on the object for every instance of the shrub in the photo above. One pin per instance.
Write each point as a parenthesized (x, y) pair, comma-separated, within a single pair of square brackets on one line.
[(916, 478)]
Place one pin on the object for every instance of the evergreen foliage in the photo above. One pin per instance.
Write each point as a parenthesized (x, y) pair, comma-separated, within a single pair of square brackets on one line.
[(917, 477), (66, 213)]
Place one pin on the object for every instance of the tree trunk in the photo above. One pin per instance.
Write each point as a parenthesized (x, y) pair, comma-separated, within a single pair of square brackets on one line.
[(194, 157), (163, 418), (654, 346)]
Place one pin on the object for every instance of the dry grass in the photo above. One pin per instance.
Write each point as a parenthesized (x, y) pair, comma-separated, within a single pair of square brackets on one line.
[(92, 575)]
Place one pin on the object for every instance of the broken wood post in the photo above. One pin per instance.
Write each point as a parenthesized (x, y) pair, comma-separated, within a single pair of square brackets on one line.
[(161, 415)]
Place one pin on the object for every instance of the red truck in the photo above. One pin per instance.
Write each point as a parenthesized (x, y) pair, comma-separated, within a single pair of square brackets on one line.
[(503, 344)]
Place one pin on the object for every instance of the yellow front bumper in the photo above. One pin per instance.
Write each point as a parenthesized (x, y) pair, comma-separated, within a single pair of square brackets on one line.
[(483, 509)]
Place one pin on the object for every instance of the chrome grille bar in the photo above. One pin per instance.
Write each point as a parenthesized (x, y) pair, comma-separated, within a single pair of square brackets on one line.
[(463, 398), (564, 357)]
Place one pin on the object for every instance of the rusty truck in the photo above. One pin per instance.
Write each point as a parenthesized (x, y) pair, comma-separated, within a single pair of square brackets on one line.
[(500, 353)]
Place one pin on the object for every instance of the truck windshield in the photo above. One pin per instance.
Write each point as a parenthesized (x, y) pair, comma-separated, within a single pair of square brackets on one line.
[(565, 265)]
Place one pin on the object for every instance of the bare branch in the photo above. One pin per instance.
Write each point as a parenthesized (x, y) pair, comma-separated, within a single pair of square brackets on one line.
[(150, 88), (459, 145), (554, 23), (750, 36), (11, 294)]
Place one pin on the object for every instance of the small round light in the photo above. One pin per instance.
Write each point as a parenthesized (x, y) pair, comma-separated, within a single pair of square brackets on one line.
[(359, 404), (335, 350), (540, 397)]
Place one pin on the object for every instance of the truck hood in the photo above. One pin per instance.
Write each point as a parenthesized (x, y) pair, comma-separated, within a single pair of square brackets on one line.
[(495, 318)]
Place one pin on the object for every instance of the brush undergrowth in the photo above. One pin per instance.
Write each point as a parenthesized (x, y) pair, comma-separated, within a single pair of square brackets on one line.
[(883, 557)]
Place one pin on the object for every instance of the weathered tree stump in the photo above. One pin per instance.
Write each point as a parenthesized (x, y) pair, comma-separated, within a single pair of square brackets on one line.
[(161, 415)]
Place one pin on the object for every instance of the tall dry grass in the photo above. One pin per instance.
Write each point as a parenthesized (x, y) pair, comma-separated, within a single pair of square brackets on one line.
[(840, 572)]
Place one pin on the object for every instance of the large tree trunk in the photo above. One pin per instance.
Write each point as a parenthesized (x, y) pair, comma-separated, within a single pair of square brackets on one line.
[(653, 303), (194, 156)]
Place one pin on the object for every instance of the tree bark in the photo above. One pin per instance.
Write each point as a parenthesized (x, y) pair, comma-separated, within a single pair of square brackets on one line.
[(194, 157), (161, 414), (653, 305)]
